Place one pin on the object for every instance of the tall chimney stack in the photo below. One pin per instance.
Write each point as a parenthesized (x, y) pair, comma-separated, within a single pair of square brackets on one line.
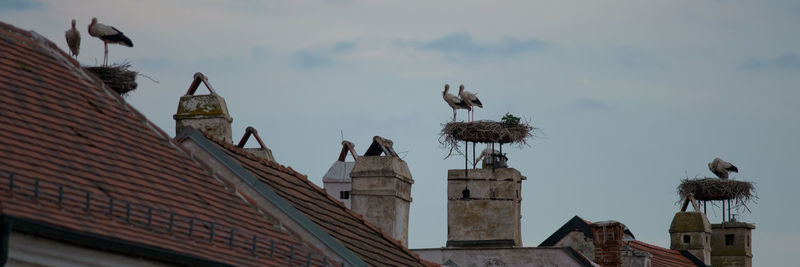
[(207, 113), (382, 189), (483, 207)]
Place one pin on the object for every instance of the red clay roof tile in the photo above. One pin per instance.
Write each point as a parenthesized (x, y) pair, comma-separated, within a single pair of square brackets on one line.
[(662, 257), (63, 129), (358, 235)]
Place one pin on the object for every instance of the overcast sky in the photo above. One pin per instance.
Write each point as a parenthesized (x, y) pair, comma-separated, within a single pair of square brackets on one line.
[(630, 96)]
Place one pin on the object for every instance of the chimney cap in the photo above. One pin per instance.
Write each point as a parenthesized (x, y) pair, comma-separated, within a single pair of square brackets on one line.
[(380, 145), (249, 131), (347, 146), (199, 77)]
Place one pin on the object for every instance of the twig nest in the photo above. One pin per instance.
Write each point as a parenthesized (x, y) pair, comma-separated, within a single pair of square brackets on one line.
[(116, 77), (484, 132), (488, 132), (717, 189)]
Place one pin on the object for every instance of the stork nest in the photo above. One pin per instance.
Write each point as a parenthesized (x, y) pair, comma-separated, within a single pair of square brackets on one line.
[(117, 77), (717, 189), (484, 131)]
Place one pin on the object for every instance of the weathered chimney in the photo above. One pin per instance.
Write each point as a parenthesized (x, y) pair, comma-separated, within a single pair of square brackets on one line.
[(691, 231), (731, 244), (483, 207), (607, 243), (207, 113), (262, 152), (337, 181), (382, 189)]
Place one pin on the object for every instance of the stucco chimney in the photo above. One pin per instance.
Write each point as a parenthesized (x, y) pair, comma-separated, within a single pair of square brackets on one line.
[(607, 242), (262, 151), (731, 244), (207, 113), (337, 181), (691, 231), (382, 189), (483, 207)]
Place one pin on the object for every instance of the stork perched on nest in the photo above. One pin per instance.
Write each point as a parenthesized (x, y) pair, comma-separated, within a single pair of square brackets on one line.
[(108, 35), (470, 99), (721, 168), (454, 102), (73, 40)]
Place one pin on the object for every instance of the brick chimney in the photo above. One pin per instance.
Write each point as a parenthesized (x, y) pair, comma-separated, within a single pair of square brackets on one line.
[(382, 189), (207, 113), (607, 242)]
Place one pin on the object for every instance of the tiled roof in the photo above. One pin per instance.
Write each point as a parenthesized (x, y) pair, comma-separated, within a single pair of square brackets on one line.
[(65, 138), (662, 257), (361, 237)]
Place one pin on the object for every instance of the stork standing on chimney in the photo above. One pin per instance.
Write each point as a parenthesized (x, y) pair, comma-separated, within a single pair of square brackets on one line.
[(73, 40), (108, 35), (454, 102), (470, 99), (721, 168)]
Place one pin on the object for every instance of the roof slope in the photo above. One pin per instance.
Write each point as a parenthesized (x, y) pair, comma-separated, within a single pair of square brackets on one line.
[(663, 257), (364, 239), (68, 143)]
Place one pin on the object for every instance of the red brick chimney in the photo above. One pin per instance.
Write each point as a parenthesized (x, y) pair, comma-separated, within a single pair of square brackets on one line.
[(607, 242)]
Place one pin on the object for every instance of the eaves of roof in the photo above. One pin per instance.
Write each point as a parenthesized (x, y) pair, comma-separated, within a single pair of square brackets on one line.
[(93, 241)]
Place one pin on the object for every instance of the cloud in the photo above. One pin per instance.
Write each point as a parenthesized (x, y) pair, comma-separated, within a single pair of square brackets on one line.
[(462, 44), (309, 59), (788, 61), (19, 5), (635, 58), (591, 104)]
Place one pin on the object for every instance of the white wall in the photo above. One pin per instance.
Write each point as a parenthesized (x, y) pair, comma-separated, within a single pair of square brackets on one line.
[(28, 250)]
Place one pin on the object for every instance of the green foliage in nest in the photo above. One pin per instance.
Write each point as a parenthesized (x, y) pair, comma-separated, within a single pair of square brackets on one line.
[(510, 120)]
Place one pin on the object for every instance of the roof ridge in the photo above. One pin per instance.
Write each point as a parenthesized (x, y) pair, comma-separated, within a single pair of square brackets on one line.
[(319, 190), (241, 151)]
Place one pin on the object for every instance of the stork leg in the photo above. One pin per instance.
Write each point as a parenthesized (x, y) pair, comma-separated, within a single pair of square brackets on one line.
[(454, 115), (105, 56)]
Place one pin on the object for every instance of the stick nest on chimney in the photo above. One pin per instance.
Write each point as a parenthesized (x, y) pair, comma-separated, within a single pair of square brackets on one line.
[(117, 77), (485, 131), (717, 189)]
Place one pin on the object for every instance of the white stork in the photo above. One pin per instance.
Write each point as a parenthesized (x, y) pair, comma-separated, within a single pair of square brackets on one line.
[(108, 35), (488, 151), (73, 40), (470, 99), (721, 168), (453, 101)]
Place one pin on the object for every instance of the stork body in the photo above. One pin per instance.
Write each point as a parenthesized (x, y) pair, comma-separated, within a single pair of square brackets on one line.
[(454, 102), (486, 153), (73, 40), (721, 168), (470, 99), (108, 35)]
